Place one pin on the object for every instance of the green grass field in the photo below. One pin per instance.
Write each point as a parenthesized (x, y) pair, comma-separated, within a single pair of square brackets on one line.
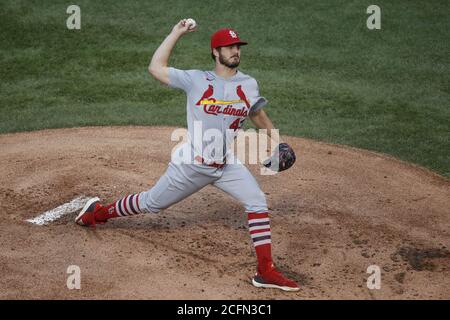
[(326, 75)]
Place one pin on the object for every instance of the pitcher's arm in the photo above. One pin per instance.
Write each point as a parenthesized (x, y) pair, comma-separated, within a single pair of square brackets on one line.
[(158, 67)]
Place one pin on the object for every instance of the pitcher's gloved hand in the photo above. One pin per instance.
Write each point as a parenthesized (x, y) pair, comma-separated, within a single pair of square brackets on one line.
[(282, 159)]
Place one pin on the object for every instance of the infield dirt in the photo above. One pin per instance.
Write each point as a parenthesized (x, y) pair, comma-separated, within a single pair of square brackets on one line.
[(337, 211)]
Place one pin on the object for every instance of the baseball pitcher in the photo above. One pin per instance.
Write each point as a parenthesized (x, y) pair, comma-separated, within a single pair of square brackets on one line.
[(219, 101)]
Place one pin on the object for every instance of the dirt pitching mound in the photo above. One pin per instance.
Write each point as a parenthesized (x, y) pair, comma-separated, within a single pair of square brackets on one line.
[(335, 213)]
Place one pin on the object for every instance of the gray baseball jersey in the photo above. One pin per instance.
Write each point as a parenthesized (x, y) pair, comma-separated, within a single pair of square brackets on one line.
[(219, 105)]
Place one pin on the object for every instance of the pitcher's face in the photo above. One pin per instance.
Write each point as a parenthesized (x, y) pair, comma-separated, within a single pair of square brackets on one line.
[(230, 56)]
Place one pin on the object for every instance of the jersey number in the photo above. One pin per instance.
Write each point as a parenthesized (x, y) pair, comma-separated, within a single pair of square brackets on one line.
[(237, 124)]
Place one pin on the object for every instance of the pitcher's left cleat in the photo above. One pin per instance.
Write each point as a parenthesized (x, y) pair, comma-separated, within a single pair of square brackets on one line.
[(274, 279), (87, 214)]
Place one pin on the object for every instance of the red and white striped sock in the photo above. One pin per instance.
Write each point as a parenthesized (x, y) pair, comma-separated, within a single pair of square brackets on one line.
[(127, 206), (259, 227)]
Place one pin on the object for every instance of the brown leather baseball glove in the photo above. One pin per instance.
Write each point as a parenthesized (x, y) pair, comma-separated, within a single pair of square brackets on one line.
[(282, 159)]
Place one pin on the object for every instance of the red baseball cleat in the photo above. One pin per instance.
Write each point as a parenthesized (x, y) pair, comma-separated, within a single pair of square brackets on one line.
[(87, 214), (274, 279)]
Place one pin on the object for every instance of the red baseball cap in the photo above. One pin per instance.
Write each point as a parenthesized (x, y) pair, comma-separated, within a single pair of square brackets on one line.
[(225, 37)]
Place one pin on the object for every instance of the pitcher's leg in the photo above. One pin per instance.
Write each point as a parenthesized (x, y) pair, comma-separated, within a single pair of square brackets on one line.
[(240, 184), (178, 182)]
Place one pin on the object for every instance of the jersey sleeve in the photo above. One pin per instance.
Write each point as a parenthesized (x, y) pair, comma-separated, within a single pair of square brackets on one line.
[(180, 79), (256, 101)]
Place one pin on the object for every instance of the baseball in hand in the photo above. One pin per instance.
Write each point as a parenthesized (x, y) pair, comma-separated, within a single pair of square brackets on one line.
[(191, 23)]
